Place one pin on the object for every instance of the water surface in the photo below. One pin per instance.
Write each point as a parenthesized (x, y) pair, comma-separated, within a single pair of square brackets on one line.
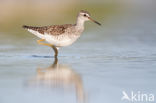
[(120, 56)]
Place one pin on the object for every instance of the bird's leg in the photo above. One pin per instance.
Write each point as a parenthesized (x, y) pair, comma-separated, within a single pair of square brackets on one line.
[(54, 48), (39, 42), (55, 63)]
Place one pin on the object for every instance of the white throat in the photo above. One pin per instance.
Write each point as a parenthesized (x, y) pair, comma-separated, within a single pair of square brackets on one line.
[(80, 23)]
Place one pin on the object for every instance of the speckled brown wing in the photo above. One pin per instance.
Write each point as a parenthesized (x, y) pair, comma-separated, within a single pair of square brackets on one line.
[(57, 29)]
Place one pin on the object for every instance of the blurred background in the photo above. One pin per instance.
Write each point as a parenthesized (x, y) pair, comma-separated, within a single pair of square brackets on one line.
[(112, 14), (38, 12), (119, 55)]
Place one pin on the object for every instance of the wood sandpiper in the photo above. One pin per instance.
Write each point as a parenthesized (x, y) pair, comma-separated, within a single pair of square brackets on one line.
[(58, 36)]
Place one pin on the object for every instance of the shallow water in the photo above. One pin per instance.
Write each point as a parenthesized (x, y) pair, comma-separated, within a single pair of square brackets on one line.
[(93, 70), (102, 64)]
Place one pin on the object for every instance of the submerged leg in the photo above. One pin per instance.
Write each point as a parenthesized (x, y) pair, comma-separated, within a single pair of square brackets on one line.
[(54, 48)]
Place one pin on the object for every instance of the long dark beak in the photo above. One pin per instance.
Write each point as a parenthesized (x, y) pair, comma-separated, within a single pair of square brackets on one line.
[(94, 21)]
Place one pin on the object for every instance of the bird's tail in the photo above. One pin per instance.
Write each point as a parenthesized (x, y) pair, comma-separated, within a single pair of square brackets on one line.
[(25, 26), (28, 27), (35, 30)]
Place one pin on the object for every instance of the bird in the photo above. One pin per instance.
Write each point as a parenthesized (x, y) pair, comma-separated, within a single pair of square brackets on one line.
[(57, 36)]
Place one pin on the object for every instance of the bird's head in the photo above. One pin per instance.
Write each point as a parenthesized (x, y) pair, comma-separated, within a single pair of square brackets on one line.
[(85, 16)]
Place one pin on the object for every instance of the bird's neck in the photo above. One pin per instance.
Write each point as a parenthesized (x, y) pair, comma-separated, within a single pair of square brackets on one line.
[(80, 23)]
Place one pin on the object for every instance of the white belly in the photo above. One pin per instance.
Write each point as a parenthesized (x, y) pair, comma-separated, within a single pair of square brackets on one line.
[(61, 40)]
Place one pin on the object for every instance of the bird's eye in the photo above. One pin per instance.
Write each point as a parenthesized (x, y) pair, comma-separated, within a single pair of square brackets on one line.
[(85, 15)]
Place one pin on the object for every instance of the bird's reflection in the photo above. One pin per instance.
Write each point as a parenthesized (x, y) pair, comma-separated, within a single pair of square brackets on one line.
[(59, 76)]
